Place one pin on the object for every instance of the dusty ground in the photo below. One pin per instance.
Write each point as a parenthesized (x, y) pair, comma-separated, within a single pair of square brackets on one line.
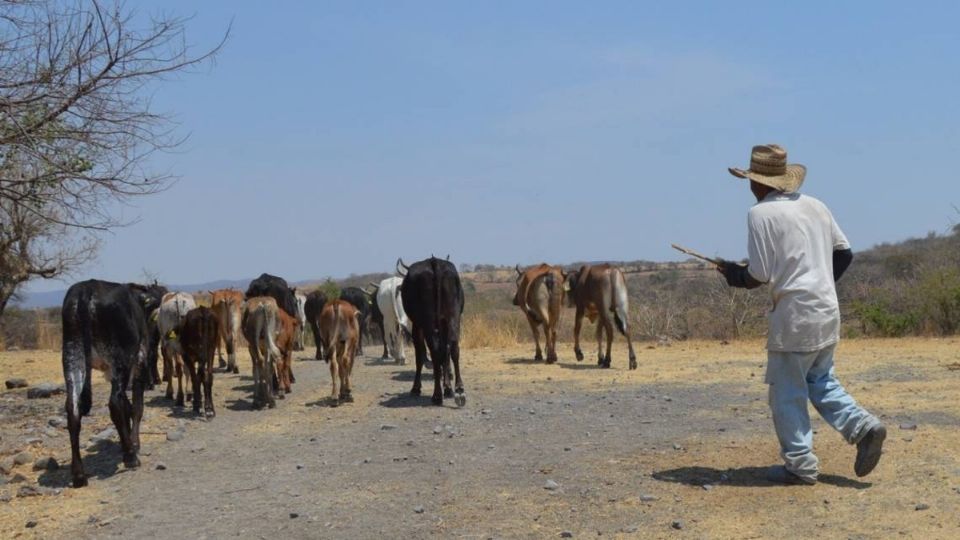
[(631, 452)]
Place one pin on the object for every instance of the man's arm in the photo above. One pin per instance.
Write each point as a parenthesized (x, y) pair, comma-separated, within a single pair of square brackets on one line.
[(841, 261), (737, 275)]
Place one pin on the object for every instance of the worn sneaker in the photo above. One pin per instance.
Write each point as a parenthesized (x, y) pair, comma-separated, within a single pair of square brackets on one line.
[(779, 474), (869, 450)]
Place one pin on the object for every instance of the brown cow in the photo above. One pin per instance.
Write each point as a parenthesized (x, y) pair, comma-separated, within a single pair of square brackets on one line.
[(287, 332), (198, 341), (260, 324), (599, 290), (540, 297), (228, 306), (340, 332)]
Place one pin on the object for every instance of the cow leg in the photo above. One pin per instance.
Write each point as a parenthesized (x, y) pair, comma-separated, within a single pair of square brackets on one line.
[(315, 329), (633, 356), (460, 397), (551, 339), (120, 413), (208, 389), (268, 380), (437, 350), (420, 352), (346, 389), (138, 385), (535, 328), (179, 373), (577, 325), (77, 384), (221, 342), (608, 328), (255, 362), (231, 356), (167, 368), (195, 384), (334, 375)]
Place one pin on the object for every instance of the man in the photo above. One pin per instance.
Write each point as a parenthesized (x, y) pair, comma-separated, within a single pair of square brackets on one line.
[(796, 247)]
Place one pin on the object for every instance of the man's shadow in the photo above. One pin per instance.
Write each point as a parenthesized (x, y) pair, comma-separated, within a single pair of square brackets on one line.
[(742, 477)]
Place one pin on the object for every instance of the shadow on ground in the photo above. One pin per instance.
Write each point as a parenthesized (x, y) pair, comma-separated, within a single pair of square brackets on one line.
[(102, 460), (399, 401), (742, 477)]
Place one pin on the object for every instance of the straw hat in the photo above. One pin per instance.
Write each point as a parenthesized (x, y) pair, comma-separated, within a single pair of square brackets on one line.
[(768, 166)]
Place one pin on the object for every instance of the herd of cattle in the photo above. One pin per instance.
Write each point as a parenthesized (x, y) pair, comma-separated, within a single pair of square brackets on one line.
[(117, 328)]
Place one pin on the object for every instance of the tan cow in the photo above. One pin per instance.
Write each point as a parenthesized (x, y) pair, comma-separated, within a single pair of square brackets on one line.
[(287, 332), (228, 306), (540, 297), (173, 310), (340, 332), (260, 324), (600, 291)]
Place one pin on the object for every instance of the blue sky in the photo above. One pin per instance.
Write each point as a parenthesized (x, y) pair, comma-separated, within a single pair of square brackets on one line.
[(332, 137)]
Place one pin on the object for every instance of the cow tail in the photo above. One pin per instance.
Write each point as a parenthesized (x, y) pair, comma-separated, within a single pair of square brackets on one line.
[(620, 301), (271, 328), (86, 393)]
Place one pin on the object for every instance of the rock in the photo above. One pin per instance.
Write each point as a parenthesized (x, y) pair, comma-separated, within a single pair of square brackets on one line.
[(908, 426), (44, 390), (418, 509), (5, 497), (566, 534), (33, 440), (31, 524), (437, 430), (387, 427), (294, 515), (677, 524), (567, 449), (57, 422), (550, 485), (630, 529), (922, 506), (707, 487), (33, 491), (16, 383), (161, 466), (46, 463), (677, 446), (485, 411), (175, 435), (104, 435), (92, 520), (299, 466), (23, 458), (645, 497), (17, 478), (6, 465), (51, 432)]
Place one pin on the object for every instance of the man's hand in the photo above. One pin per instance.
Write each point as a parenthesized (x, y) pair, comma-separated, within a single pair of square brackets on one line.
[(737, 275)]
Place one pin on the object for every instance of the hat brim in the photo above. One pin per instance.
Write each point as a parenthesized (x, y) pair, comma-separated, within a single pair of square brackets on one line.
[(787, 183)]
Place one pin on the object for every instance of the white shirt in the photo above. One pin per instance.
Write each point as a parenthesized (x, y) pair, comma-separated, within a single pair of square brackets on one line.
[(791, 242)]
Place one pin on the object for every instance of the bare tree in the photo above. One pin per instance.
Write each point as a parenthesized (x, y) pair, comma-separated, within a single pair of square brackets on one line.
[(77, 126)]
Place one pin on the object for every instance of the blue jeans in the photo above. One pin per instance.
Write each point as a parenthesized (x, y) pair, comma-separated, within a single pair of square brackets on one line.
[(795, 377)]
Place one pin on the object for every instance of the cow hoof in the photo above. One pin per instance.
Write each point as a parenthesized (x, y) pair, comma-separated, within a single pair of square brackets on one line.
[(538, 358), (189, 397), (551, 359), (281, 396), (236, 370), (460, 399), (80, 481), (633, 364), (210, 413), (346, 398), (180, 401), (579, 354), (131, 462), (334, 403), (222, 364), (272, 405), (437, 400), (448, 392), (415, 392)]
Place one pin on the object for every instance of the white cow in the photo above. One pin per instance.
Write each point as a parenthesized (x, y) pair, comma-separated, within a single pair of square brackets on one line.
[(173, 310), (301, 318), (391, 307)]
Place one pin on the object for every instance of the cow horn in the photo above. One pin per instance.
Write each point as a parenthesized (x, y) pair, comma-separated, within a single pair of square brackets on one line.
[(376, 286), (448, 257), (404, 267), (517, 268)]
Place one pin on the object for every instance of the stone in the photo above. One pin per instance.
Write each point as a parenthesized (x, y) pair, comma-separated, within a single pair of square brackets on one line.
[(30, 491), (550, 485), (630, 529), (161, 466), (51, 432), (46, 463), (707, 487), (677, 524), (6, 465), (44, 390), (418, 509), (17, 478), (31, 524), (16, 383), (57, 422), (104, 435), (922, 506), (23, 458), (175, 435), (294, 515), (908, 426), (566, 534), (437, 430), (645, 497), (387, 427)]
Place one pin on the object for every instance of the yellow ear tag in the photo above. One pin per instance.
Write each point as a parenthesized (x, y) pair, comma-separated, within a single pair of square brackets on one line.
[(566, 287), (172, 335)]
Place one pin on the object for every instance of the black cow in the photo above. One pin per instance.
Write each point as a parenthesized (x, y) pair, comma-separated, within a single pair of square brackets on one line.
[(433, 300), (276, 288), (312, 308), (199, 337), (359, 299), (107, 326), (376, 317)]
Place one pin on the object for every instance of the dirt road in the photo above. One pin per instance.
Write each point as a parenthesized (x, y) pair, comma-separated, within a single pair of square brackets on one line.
[(677, 448)]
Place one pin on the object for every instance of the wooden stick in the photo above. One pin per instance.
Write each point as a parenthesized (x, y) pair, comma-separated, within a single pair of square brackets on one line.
[(693, 253)]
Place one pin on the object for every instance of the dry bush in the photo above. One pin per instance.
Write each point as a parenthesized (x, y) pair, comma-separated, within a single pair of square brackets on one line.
[(495, 329)]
